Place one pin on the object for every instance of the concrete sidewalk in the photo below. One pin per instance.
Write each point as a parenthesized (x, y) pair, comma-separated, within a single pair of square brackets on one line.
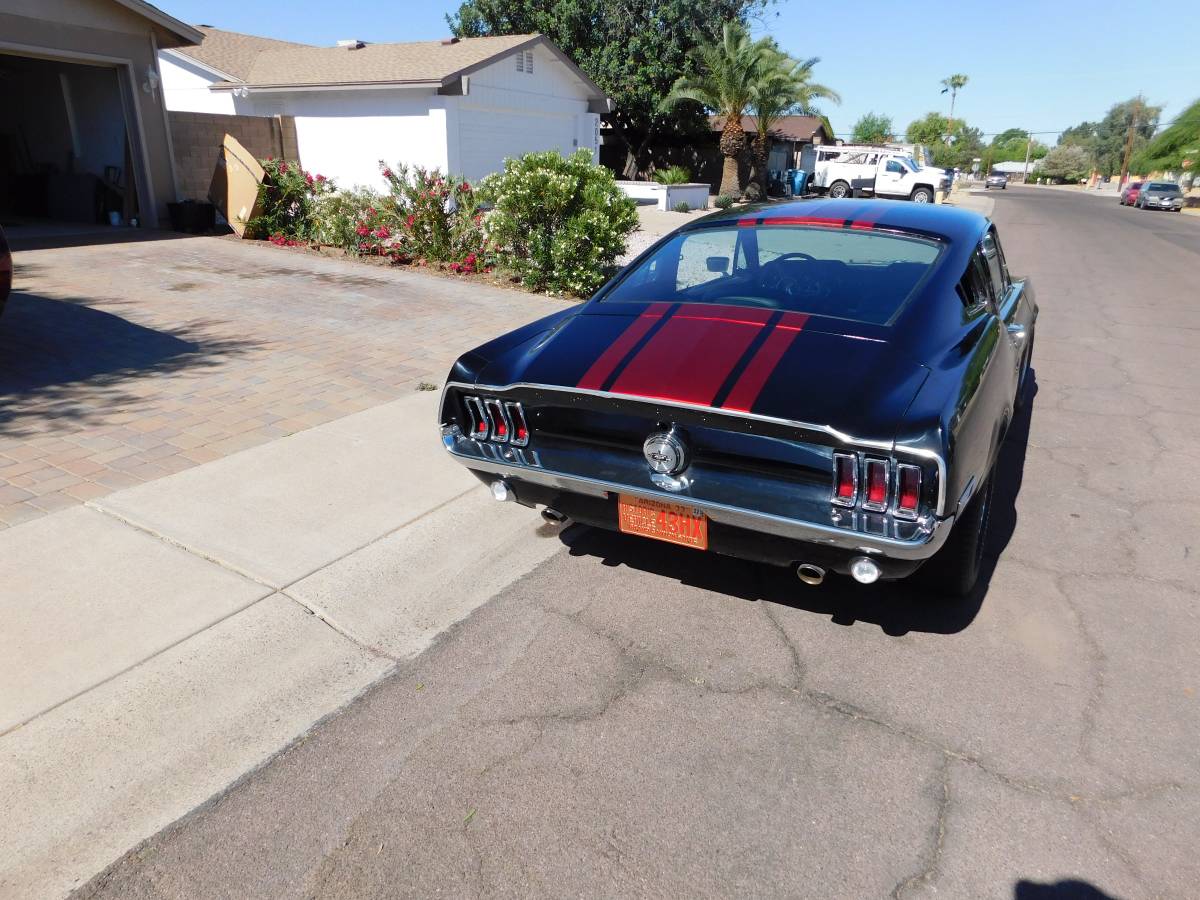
[(167, 639)]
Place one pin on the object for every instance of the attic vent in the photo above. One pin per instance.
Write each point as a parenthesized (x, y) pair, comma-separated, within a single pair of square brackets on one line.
[(352, 44), (449, 40), (525, 61)]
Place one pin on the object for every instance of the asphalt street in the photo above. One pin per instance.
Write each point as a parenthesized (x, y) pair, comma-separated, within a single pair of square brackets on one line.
[(638, 720)]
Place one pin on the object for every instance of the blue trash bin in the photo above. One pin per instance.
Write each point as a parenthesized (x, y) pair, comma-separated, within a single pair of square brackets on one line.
[(798, 180)]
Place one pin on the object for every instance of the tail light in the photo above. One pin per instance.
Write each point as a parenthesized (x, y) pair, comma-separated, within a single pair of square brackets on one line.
[(493, 420), (908, 491), (875, 494), (884, 484), (479, 422), (845, 479), (520, 429), (498, 419)]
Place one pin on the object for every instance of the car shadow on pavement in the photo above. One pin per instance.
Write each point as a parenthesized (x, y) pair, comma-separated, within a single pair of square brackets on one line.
[(61, 359), (896, 607), (1069, 889)]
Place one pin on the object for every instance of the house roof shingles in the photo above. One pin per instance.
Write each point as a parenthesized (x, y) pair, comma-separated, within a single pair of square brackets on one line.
[(232, 53), (788, 128), (257, 61)]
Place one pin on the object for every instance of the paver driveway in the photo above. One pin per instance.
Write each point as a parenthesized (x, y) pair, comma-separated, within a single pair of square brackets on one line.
[(121, 363)]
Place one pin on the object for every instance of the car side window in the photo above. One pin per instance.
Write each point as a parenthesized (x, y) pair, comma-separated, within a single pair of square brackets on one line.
[(705, 256), (990, 250), (975, 286), (894, 166)]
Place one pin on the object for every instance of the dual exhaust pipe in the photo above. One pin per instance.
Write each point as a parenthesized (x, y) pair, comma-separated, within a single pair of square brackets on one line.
[(502, 491)]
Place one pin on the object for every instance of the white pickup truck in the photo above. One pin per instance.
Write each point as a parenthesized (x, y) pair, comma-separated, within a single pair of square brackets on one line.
[(841, 171)]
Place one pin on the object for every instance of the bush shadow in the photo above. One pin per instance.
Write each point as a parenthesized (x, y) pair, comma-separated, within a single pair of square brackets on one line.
[(897, 608), (1068, 889)]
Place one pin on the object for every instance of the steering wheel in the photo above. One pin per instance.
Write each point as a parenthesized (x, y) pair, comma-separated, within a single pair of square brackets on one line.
[(774, 277), (795, 254)]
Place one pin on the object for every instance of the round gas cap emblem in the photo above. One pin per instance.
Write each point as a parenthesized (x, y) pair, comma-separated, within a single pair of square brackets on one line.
[(665, 453)]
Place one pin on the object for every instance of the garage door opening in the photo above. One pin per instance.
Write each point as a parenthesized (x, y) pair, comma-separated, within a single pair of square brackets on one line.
[(65, 150)]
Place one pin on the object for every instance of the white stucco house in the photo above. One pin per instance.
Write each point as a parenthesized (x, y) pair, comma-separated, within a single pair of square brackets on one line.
[(461, 106)]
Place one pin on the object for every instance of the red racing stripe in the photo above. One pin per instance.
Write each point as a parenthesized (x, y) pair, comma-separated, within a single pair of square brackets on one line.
[(690, 357), (594, 378), (750, 384)]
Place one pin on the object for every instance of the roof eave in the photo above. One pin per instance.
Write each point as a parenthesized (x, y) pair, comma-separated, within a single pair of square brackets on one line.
[(323, 85), (200, 64), (188, 34)]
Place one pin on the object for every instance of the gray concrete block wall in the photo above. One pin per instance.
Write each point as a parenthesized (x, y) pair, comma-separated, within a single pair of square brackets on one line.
[(197, 139)]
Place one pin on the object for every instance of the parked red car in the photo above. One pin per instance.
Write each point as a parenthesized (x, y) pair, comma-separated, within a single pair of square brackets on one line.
[(1130, 194), (6, 270)]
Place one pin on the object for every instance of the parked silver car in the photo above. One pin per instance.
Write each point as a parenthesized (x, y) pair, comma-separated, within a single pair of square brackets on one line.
[(1160, 195), (997, 181)]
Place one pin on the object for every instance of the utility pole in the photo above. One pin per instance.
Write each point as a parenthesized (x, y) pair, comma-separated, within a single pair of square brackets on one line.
[(1028, 148), (1133, 122)]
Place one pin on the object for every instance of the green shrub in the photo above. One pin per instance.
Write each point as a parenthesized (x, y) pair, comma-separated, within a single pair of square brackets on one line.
[(723, 202), (558, 222), (673, 175), (681, 207), (287, 198)]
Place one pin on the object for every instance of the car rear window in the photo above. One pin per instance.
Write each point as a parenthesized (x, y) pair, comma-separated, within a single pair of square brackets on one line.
[(865, 275)]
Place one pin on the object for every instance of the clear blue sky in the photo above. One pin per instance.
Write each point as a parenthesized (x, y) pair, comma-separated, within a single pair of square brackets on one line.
[(884, 56)]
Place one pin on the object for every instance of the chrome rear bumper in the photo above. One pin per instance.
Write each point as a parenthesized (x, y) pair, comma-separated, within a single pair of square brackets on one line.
[(607, 474)]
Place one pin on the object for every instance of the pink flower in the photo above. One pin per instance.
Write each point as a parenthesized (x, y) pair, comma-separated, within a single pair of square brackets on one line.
[(382, 232), (387, 173), (308, 179), (466, 187), (283, 168), (362, 230)]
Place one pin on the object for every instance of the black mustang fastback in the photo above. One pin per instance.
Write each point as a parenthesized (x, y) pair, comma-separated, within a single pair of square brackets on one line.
[(822, 384)]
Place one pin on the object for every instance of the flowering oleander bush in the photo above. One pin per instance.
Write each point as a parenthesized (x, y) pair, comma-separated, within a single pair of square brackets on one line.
[(287, 199), (558, 222), (435, 218), (338, 215)]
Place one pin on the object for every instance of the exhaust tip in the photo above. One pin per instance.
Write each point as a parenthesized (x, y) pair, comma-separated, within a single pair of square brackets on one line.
[(553, 516), (502, 490), (810, 574)]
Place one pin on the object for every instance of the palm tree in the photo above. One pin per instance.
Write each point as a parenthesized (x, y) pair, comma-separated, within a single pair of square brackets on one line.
[(783, 86), (953, 84), (726, 73)]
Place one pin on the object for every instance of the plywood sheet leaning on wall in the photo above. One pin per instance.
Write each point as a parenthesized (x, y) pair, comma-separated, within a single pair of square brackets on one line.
[(234, 188)]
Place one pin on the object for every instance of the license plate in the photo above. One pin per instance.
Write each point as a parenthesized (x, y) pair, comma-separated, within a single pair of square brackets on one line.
[(670, 522)]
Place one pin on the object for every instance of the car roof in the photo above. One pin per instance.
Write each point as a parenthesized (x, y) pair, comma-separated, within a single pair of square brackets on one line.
[(947, 222)]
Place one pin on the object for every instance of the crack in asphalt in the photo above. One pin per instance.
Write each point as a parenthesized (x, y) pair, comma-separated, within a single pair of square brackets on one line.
[(934, 856)]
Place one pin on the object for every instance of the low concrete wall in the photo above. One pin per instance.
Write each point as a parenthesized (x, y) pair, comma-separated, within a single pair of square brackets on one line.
[(667, 196), (197, 141)]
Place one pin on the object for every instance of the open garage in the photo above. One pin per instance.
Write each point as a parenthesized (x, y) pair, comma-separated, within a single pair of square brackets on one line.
[(83, 129)]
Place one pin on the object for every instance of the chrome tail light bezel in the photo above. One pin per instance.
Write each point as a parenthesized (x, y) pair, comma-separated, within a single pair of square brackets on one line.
[(851, 461), (503, 422), (474, 408), (518, 422), (905, 512), (872, 463)]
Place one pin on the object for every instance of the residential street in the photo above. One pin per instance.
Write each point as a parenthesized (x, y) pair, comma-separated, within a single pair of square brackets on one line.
[(616, 717)]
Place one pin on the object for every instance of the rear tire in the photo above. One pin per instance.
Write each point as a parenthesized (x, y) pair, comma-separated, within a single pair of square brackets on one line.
[(954, 570), (921, 195), (839, 189)]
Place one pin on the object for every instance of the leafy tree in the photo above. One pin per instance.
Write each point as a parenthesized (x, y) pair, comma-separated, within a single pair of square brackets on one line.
[(1069, 162), (727, 74), (1177, 147), (1010, 146), (634, 50), (872, 128), (1104, 141), (965, 143), (783, 85)]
